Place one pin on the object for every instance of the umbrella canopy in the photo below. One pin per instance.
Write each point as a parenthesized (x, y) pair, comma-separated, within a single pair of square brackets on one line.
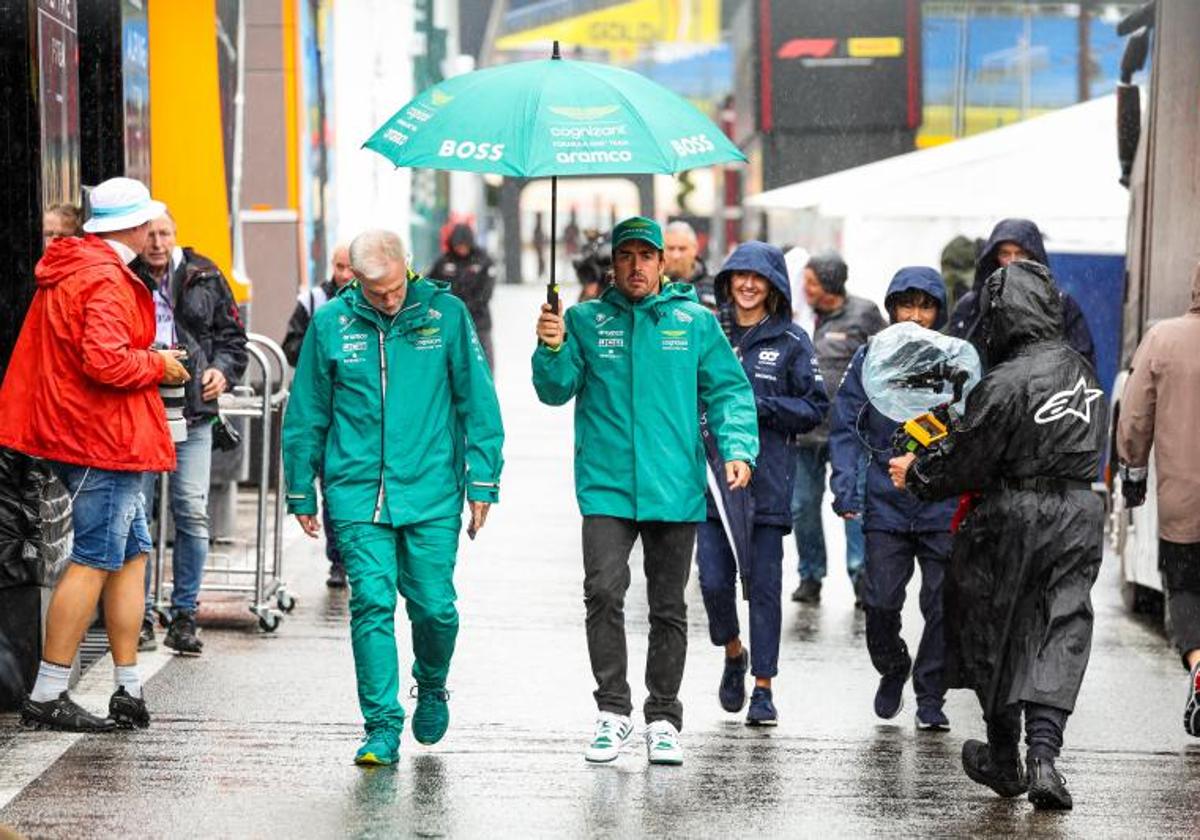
[(552, 117)]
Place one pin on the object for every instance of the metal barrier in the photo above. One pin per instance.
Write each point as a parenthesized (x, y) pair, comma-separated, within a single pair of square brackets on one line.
[(270, 597)]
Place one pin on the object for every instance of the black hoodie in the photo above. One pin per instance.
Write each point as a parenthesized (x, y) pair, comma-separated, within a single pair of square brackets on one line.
[(965, 321), (472, 278)]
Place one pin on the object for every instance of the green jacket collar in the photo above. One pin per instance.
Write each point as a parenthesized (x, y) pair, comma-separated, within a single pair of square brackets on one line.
[(658, 305), (416, 312)]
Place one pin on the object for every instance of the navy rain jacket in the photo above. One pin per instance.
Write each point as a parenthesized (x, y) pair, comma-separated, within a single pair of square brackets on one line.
[(854, 419), (965, 322), (780, 363)]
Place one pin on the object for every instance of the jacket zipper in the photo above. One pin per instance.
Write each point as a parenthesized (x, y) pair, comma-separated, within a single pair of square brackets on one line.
[(382, 423)]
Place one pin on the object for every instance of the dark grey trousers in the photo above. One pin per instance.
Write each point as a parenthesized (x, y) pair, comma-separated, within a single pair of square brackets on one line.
[(667, 546), (1044, 727), (1180, 567)]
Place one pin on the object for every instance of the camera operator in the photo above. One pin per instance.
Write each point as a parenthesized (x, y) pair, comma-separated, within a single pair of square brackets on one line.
[(1018, 610), (195, 312), (82, 392)]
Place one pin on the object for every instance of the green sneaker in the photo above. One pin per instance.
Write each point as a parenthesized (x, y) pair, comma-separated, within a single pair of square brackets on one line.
[(380, 747), (432, 714)]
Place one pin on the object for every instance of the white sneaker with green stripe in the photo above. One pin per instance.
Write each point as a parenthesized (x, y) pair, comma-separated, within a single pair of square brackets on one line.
[(612, 733), (662, 743)]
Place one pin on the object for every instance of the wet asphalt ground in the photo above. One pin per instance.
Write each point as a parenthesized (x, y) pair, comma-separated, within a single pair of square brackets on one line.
[(255, 738)]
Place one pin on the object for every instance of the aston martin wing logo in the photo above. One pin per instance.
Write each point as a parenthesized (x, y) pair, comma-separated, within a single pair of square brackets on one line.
[(592, 113), (1076, 402)]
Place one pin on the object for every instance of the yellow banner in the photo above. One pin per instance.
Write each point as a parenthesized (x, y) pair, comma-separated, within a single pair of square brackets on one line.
[(627, 28)]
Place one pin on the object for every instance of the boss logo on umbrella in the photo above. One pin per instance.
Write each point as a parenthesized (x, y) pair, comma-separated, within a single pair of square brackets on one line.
[(697, 144), (470, 150)]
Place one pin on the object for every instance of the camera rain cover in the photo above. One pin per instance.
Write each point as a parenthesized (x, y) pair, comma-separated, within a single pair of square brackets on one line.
[(909, 370)]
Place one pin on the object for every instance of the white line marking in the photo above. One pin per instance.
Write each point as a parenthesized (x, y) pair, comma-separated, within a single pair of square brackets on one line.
[(33, 753)]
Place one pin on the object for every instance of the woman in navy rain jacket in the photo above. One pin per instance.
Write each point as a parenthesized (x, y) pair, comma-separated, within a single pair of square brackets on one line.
[(781, 365), (898, 526)]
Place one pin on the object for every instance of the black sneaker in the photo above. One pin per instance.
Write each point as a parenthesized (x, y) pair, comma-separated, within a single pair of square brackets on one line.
[(932, 719), (977, 762), (1047, 787), (146, 640), (762, 710), (337, 576), (1191, 712), (181, 635), (62, 714), (889, 697), (732, 691), (128, 711), (808, 592)]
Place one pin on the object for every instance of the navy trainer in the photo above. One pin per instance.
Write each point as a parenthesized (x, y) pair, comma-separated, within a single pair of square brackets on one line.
[(732, 692), (889, 697), (762, 710)]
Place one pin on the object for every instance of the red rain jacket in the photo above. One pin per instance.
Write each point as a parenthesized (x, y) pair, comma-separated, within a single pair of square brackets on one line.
[(82, 384)]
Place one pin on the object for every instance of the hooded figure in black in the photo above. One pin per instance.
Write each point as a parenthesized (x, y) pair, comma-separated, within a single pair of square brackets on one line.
[(472, 278), (1018, 604), (965, 321), (780, 362)]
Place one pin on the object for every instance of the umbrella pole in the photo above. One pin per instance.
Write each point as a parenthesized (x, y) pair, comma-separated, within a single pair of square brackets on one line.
[(552, 286)]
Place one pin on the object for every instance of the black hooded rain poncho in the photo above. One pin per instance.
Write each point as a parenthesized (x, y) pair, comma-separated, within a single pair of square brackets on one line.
[(1018, 592)]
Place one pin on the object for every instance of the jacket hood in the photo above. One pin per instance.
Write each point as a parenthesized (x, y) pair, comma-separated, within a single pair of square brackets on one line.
[(1195, 307), (924, 279), (1019, 306), (1022, 231), (761, 258), (70, 254), (461, 235)]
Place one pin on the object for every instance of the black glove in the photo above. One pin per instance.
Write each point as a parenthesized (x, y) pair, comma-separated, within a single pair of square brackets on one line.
[(1134, 493)]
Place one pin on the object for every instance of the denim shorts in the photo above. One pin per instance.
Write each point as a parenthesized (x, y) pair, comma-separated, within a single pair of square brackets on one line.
[(108, 514)]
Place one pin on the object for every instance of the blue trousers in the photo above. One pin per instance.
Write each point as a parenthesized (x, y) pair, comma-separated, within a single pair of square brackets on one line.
[(188, 498), (890, 565), (807, 494), (721, 589)]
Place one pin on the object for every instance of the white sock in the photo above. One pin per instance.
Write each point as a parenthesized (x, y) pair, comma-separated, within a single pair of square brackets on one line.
[(129, 678), (51, 681)]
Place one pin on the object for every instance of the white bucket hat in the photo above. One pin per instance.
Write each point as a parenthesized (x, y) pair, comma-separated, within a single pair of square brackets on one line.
[(120, 204)]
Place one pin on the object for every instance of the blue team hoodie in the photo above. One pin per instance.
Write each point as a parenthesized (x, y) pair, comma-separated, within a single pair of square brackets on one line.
[(780, 363), (853, 418)]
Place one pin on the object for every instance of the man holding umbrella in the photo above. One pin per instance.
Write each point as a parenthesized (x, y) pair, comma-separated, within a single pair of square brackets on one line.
[(639, 360)]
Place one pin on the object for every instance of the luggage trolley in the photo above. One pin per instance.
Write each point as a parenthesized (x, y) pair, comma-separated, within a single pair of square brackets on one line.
[(270, 597)]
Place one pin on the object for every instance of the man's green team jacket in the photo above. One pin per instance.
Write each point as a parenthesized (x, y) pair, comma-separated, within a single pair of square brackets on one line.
[(638, 373), (397, 416)]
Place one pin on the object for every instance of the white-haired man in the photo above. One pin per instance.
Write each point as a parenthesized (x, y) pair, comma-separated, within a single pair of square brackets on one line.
[(681, 250), (393, 407)]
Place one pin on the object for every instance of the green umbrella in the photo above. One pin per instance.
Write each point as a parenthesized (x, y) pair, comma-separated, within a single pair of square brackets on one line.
[(549, 118)]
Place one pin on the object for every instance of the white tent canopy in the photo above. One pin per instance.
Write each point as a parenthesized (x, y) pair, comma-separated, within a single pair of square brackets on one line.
[(1059, 169)]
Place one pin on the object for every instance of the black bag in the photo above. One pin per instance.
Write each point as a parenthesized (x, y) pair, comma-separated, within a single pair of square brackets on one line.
[(35, 522)]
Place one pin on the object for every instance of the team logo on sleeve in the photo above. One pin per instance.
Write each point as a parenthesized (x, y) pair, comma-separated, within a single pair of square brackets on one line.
[(1075, 402)]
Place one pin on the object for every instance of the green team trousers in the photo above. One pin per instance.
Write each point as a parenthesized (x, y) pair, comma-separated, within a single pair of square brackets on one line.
[(417, 561)]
